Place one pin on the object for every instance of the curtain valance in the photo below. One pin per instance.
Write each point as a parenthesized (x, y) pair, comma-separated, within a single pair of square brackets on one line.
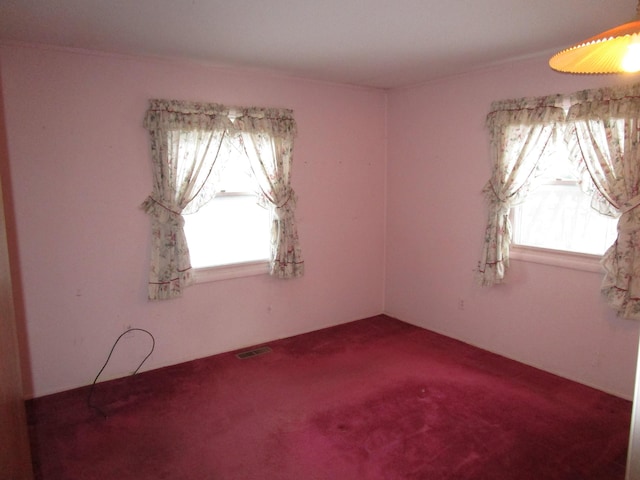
[(183, 115), (526, 111)]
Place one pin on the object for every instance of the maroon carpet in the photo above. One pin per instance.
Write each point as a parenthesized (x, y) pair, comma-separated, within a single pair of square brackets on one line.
[(373, 399)]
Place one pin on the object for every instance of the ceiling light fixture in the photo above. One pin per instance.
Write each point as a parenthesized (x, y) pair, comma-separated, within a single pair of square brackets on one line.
[(615, 51)]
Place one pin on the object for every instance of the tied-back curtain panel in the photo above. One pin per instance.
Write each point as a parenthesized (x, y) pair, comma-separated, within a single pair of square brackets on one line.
[(185, 140), (267, 138), (521, 138), (603, 135)]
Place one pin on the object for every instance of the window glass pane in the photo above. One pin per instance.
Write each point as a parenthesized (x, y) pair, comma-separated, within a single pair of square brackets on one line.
[(560, 169), (233, 227), (559, 216), (233, 173), (229, 229)]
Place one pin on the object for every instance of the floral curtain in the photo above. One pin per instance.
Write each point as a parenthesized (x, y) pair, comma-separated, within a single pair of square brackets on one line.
[(185, 140), (603, 136), (267, 137), (521, 131)]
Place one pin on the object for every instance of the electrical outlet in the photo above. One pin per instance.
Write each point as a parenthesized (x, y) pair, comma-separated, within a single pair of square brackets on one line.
[(460, 304)]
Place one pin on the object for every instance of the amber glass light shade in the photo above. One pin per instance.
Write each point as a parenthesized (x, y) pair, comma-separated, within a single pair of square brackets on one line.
[(614, 51)]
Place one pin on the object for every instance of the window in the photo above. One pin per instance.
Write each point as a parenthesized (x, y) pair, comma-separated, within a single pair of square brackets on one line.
[(600, 128), (234, 227), (557, 215), (187, 140)]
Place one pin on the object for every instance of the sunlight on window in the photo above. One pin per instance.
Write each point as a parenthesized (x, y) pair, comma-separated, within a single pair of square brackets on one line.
[(233, 227), (229, 229), (558, 214)]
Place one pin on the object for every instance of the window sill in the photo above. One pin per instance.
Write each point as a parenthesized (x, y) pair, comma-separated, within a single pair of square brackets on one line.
[(226, 272), (557, 258)]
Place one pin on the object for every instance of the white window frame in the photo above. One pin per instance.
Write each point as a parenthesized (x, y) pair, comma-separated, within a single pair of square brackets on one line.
[(556, 258), (227, 272)]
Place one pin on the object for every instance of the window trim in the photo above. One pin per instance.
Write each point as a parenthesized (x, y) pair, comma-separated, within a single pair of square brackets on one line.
[(557, 258), (233, 270)]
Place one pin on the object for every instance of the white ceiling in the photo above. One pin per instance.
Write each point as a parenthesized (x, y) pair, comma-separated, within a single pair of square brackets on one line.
[(379, 43)]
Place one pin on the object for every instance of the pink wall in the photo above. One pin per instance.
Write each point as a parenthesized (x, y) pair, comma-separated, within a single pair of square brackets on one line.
[(546, 316), (81, 166)]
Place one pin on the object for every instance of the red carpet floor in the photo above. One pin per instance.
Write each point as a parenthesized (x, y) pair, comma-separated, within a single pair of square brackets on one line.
[(373, 399)]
